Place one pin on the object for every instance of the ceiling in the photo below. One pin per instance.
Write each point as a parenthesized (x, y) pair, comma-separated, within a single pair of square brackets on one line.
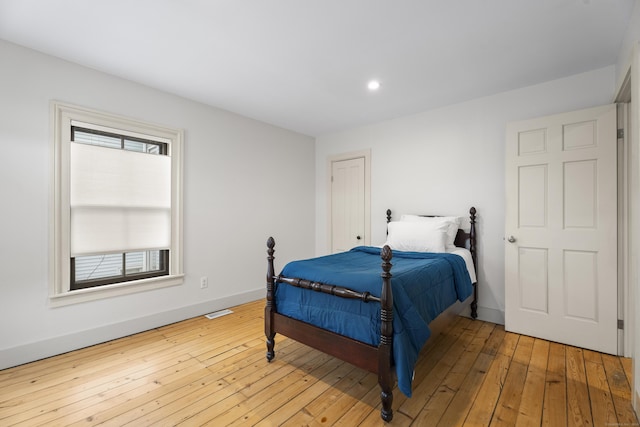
[(304, 64)]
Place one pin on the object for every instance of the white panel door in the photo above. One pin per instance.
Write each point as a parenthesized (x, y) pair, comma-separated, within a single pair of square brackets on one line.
[(347, 204), (561, 228)]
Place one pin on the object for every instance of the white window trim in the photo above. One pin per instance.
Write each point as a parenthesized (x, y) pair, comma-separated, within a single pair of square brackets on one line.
[(60, 253)]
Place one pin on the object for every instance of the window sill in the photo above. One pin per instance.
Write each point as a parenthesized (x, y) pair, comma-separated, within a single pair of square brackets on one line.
[(118, 289)]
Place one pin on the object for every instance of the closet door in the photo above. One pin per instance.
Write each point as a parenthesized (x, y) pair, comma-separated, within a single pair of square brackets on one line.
[(347, 204)]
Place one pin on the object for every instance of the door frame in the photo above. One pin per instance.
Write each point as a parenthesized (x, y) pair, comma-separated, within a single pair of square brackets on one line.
[(366, 154), (627, 210), (629, 92), (625, 336)]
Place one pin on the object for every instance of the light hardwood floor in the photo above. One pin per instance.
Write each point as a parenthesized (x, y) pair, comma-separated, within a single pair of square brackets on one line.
[(214, 372)]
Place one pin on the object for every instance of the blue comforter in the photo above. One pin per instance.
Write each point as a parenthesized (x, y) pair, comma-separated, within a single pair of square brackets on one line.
[(423, 284)]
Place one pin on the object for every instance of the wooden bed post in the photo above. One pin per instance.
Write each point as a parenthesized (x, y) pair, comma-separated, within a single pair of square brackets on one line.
[(270, 308), (385, 356), (472, 249)]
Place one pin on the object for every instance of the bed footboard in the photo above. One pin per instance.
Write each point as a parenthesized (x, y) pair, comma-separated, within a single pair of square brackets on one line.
[(374, 359)]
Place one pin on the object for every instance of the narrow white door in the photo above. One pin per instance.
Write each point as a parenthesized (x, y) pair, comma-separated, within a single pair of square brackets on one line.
[(347, 204), (561, 228)]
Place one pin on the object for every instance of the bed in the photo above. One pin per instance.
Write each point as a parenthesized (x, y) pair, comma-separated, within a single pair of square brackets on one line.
[(356, 307)]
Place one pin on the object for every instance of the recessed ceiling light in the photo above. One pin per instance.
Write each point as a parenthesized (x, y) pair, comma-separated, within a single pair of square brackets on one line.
[(373, 85)]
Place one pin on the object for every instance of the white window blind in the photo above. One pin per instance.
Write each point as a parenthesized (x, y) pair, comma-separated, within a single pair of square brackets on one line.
[(120, 200)]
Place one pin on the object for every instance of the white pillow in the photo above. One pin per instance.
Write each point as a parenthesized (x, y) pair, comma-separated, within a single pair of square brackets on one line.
[(453, 224), (417, 236)]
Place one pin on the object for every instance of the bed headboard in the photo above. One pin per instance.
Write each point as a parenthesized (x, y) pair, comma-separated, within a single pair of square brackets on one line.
[(463, 239)]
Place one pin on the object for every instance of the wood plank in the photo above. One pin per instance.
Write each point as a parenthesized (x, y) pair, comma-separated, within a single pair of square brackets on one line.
[(554, 411), (362, 409), (278, 414), (620, 389), (628, 368), (451, 384), (487, 398), (84, 355), (137, 399), (128, 406), (86, 382), (374, 419), (530, 412), (97, 383), (57, 372), (84, 376), (431, 354), (578, 407), (82, 405), (264, 403), (460, 406), (423, 390), (329, 406), (602, 407), (507, 407), (189, 400)]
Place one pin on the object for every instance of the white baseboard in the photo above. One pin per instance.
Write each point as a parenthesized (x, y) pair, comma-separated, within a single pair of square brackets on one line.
[(26, 353), (488, 315), (491, 315)]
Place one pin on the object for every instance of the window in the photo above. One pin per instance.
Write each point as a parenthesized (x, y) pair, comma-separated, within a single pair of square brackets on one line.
[(98, 270), (117, 205)]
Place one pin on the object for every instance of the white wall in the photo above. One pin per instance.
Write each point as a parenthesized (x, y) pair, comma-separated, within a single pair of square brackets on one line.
[(235, 195), (446, 160), (631, 37)]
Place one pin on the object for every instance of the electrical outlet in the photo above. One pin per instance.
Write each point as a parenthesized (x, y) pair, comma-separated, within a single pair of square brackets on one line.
[(204, 282)]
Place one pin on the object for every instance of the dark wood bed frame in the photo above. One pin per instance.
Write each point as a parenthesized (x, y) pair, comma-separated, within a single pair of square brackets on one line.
[(378, 360)]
